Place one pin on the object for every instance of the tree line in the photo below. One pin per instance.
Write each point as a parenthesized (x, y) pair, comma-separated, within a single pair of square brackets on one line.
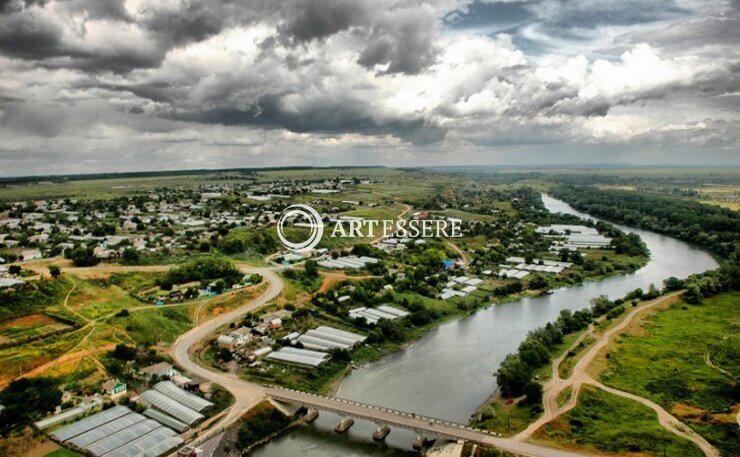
[(710, 227)]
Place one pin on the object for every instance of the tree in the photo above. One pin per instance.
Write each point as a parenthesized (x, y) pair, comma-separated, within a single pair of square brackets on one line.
[(539, 281), (123, 352), (225, 355), (83, 257), (166, 284), (191, 293), (14, 269), (692, 294), (131, 256), (123, 313), (219, 286), (533, 352), (533, 391), (513, 375), (672, 283), (54, 271), (27, 399), (311, 267), (601, 305)]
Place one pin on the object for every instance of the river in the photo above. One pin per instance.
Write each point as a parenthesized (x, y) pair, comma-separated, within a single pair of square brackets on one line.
[(449, 372)]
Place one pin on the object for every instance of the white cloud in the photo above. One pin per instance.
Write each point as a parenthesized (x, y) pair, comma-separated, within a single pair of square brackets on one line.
[(113, 91)]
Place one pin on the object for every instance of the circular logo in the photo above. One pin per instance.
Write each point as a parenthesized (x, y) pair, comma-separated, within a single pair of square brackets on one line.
[(314, 222)]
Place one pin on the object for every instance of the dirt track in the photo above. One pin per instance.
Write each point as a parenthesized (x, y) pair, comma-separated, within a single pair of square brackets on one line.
[(580, 376)]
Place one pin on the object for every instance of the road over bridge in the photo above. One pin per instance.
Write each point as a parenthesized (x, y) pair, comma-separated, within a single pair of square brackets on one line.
[(419, 424), (248, 394)]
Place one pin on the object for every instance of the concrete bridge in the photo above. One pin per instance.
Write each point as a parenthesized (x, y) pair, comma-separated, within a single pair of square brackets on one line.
[(421, 425)]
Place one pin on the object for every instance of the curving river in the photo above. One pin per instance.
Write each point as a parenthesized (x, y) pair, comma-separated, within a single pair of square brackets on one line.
[(449, 372)]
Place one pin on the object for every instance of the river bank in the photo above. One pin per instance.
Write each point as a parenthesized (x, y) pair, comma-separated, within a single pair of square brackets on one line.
[(448, 372)]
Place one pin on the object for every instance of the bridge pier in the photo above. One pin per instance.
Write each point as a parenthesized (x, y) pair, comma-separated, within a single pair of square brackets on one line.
[(381, 432), (311, 415), (423, 441), (344, 424)]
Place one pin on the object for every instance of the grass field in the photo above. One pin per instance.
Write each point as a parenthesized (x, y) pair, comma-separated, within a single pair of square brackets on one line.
[(725, 196), (101, 302), (151, 326), (608, 423), (29, 326), (95, 299), (665, 360), (104, 188), (506, 419), (63, 452), (566, 366)]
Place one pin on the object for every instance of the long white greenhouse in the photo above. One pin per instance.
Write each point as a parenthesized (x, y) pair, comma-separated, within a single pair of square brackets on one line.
[(170, 406), (119, 432), (89, 423), (193, 402), (299, 356), (123, 437), (106, 430)]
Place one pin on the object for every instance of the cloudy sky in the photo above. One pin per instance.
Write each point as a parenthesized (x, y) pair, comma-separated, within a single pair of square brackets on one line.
[(117, 85)]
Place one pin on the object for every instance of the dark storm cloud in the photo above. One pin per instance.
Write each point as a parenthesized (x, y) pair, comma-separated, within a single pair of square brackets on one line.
[(40, 121), (10, 6), (29, 37), (197, 21), (34, 34), (403, 41), (397, 37), (317, 19), (320, 116)]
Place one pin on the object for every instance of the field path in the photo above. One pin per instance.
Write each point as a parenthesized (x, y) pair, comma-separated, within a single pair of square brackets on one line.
[(710, 364), (401, 215), (68, 357), (333, 278), (580, 376), (66, 301), (463, 255)]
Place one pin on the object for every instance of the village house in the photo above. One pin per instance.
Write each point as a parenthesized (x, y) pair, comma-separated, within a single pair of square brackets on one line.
[(160, 370), (226, 341), (113, 388)]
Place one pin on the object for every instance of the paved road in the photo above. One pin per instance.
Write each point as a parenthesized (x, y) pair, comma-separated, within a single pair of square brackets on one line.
[(419, 424), (248, 394)]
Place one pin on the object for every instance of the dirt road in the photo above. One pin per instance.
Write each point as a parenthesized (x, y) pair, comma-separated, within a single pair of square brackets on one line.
[(580, 376)]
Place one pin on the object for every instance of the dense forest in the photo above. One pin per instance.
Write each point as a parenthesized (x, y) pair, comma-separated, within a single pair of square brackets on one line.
[(710, 227)]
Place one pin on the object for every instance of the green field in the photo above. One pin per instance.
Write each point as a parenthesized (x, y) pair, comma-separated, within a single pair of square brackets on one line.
[(30, 326), (506, 419), (151, 326), (95, 299), (104, 188), (668, 365), (63, 452), (608, 423)]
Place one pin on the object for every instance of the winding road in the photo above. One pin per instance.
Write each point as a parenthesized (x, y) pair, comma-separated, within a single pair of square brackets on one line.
[(247, 394)]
